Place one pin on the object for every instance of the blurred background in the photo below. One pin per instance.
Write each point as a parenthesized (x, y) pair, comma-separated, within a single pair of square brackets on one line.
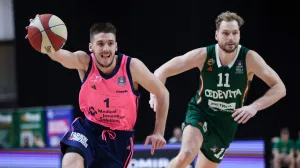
[(39, 97)]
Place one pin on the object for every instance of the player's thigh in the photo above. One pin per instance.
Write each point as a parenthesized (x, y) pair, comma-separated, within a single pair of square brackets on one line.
[(191, 140), (72, 160), (203, 162)]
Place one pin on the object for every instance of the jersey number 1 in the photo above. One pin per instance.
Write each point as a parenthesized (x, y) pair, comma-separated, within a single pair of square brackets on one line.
[(226, 84), (106, 101)]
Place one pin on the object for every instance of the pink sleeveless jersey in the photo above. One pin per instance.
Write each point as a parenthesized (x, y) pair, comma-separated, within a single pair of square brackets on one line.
[(110, 100)]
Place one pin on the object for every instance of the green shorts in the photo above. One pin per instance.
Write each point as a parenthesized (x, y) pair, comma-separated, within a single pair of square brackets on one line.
[(214, 144)]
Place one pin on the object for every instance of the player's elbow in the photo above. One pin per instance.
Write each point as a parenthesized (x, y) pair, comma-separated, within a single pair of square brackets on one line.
[(160, 73), (163, 94), (282, 90)]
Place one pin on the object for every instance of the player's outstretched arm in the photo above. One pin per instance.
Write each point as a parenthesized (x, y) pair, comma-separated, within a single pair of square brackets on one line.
[(261, 69), (179, 64), (72, 60), (147, 80)]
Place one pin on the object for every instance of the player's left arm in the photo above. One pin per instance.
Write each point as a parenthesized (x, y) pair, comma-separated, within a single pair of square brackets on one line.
[(256, 65), (261, 69), (142, 75)]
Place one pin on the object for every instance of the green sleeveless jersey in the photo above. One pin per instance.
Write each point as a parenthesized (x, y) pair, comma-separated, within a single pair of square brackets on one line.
[(222, 89)]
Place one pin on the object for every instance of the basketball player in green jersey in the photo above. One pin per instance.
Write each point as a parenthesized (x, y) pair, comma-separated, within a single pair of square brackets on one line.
[(217, 108)]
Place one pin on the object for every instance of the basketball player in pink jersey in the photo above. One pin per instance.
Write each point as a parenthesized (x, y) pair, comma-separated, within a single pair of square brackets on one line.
[(109, 99)]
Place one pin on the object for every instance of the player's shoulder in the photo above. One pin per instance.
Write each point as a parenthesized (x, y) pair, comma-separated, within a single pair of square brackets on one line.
[(201, 50), (198, 53), (252, 56), (83, 57), (252, 53), (135, 62)]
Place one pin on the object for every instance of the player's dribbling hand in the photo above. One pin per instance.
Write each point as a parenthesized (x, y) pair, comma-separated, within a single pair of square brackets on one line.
[(30, 20), (242, 115), (153, 102), (158, 141)]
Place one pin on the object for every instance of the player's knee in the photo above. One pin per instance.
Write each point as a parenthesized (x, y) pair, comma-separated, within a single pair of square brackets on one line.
[(186, 155), (72, 160)]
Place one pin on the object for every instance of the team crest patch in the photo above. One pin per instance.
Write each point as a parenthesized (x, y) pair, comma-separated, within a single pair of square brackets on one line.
[(239, 68), (121, 80)]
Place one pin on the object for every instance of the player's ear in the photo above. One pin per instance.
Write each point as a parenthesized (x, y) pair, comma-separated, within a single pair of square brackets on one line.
[(116, 46), (90, 47), (216, 35)]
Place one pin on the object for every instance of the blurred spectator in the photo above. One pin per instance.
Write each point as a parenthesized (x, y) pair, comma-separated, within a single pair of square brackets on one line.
[(26, 142), (283, 150), (177, 135), (298, 150), (38, 141)]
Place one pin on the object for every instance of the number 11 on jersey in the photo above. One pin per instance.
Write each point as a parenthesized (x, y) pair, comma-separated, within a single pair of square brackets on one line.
[(226, 84), (221, 154)]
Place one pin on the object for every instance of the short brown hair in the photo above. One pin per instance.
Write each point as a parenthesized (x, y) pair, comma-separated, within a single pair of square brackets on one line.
[(102, 28), (227, 17)]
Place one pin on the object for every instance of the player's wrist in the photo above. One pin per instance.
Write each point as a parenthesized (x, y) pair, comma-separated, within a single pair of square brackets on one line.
[(158, 131), (254, 106)]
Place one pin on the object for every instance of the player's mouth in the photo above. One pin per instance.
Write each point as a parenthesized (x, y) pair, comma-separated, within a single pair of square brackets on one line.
[(105, 56)]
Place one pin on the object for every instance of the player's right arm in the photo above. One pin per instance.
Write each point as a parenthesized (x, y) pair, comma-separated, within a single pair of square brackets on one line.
[(177, 65), (71, 60), (180, 64)]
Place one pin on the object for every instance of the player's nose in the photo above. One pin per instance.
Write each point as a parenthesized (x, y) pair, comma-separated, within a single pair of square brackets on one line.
[(106, 47)]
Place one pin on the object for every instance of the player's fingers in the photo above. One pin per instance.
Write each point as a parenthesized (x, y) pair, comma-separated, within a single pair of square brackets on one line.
[(248, 117), (236, 112), (153, 147), (30, 20), (147, 141), (26, 36), (243, 118), (162, 143), (239, 116)]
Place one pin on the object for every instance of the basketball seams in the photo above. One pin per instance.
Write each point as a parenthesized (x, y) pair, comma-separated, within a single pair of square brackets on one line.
[(45, 30), (55, 35), (45, 33)]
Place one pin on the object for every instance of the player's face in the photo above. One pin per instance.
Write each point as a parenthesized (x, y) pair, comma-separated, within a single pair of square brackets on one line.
[(228, 36), (284, 136), (104, 46)]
